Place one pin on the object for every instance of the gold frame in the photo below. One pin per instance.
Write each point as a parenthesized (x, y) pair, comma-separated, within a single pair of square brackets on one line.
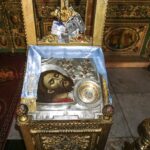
[(84, 134), (29, 22), (48, 134)]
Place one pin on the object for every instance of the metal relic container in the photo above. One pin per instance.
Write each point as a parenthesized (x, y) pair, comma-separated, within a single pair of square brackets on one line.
[(65, 100)]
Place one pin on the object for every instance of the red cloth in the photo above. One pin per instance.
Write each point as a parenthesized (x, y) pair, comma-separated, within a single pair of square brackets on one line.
[(11, 79), (63, 100)]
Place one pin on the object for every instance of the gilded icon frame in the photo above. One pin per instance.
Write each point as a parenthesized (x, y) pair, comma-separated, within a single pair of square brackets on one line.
[(98, 25)]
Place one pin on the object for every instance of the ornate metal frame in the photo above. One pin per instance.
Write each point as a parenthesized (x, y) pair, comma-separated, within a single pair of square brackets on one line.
[(64, 134)]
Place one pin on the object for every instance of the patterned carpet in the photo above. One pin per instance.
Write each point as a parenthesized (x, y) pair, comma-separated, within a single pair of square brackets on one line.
[(11, 75)]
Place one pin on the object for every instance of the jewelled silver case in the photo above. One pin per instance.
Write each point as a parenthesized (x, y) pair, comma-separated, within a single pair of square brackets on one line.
[(65, 82)]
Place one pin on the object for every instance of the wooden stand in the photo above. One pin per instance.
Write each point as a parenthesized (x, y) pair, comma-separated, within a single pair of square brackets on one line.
[(64, 134)]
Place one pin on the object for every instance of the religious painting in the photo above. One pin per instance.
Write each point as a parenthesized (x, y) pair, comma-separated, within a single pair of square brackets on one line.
[(124, 39), (12, 34), (3, 41), (121, 38), (16, 25), (19, 40), (4, 35), (14, 16), (54, 87)]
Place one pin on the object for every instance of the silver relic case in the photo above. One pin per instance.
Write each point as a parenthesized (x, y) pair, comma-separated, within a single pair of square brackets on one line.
[(82, 67)]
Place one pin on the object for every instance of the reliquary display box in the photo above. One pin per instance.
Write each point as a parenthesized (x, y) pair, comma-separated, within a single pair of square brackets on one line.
[(65, 100)]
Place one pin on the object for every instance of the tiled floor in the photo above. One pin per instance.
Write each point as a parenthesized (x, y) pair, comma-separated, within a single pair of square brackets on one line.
[(130, 90)]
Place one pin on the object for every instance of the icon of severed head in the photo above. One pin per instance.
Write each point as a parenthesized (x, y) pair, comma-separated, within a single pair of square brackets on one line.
[(51, 84)]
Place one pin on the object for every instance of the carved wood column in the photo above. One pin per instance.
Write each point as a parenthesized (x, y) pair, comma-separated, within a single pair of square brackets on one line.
[(28, 16), (99, 22)]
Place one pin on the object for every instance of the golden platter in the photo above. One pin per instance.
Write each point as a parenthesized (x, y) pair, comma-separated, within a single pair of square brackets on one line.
[(88, 93)]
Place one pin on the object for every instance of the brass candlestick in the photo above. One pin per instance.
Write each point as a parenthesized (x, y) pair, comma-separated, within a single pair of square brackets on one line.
[(143, 142)]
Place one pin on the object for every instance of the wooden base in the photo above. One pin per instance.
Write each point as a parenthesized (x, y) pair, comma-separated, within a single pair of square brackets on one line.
[(114, 61)]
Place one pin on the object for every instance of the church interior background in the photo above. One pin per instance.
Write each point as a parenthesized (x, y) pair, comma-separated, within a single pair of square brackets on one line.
[(126, 34), (126, 39), (126, 28)]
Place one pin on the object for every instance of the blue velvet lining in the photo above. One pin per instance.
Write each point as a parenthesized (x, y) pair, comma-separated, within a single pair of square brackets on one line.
[(36, 53)]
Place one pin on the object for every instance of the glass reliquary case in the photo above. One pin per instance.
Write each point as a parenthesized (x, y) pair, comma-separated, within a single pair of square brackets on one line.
[(65, 100), (65, 82)]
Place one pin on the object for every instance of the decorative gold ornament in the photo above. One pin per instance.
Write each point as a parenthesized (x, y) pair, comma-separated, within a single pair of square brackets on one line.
[(108, 111), (64, 14), (65, 134), (22, 112), (22, 109), (65, 142), (105, 91), (30, 102), (23, 118), (143, 142), (72, 126), (89, 92)]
